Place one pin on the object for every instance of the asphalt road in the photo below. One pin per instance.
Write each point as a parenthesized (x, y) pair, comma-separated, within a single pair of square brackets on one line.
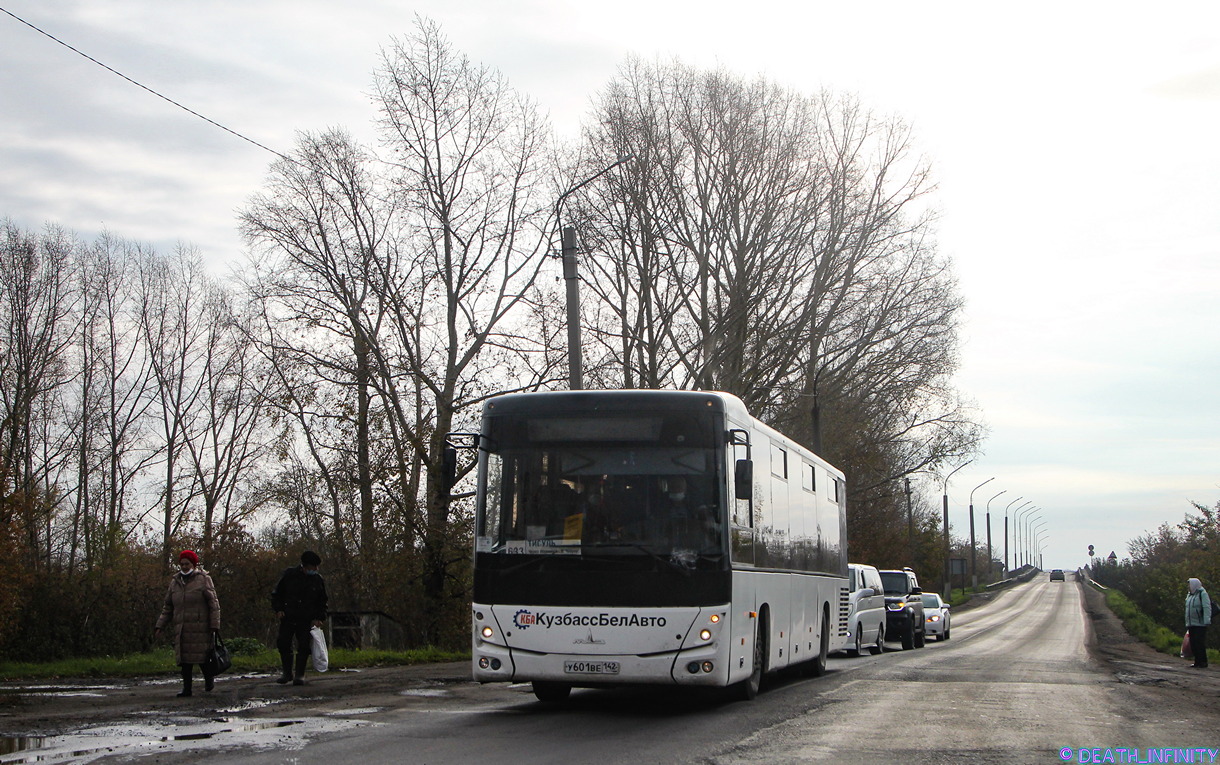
[(1022, 680)]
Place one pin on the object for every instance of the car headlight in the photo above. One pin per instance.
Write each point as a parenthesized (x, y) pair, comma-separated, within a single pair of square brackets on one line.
[(933, 617), (896, 606)]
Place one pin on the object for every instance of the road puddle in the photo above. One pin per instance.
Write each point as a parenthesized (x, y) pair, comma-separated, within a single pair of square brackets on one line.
[(425, 692), (249, 704), (14, 744), (164, 738), (104, 689), (360, 711), (58, 690)]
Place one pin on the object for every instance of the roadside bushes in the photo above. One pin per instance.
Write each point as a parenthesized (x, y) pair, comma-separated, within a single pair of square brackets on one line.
[(1153, 579), (1141, 626), (245, 646)]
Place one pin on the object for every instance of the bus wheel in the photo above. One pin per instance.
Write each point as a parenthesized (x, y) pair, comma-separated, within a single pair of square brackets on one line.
[(880, 641), (819, 664), (551, 693), (747, 689)]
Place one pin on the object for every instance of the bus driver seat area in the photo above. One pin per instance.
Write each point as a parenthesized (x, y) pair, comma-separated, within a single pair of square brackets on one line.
[(691, 525)]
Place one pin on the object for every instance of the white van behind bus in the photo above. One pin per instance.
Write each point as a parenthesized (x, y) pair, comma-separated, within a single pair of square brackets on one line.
[(866, 610)]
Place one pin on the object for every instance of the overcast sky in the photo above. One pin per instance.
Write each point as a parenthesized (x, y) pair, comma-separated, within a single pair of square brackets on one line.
[(1076, 147)]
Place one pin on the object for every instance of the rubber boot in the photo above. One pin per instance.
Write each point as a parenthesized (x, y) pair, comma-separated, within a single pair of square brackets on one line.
[(299, 677), (286, 664), (209, 681), (186, 680)]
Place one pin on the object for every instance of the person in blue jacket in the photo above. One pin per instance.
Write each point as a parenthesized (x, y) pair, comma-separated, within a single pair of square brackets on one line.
[(1198, 617), (299, 600)]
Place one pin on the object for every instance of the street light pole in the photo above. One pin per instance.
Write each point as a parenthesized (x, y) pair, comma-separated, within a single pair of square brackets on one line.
[(910, 522), (571, 277), (1016, 527), (944, 498), (974, 576), (1035, 552), (1035, 531), (990, 556), (1028, 533), (1010, 504)]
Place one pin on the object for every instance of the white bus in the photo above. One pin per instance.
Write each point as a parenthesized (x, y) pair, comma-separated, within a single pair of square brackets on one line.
[(651, 537)]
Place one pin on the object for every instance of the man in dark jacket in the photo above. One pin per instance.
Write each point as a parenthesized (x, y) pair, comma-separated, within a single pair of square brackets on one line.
[(299, 600)]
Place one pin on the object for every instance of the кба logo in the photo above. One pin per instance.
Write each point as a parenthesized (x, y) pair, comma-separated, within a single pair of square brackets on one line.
[(524, 618)]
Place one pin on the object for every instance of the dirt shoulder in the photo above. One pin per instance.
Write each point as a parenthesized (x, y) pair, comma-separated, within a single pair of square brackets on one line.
[(51, 707), (1135, 663)]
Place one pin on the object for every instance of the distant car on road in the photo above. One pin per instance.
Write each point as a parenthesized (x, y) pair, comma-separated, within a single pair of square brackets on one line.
[(935, 616), (1057, 575), (904, 617)]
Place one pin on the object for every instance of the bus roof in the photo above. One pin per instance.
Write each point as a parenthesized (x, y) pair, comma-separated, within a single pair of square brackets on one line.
[(586, 401)]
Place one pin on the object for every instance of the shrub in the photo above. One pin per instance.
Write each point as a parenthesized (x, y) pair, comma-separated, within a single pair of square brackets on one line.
[(245, 646), (1141, 626)]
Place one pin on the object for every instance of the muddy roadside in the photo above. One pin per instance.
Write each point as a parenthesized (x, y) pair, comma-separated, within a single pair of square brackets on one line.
[(50, 707), (1167, 679)]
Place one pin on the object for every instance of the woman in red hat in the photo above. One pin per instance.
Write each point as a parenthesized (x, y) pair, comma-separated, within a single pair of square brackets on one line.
[(192, 606)]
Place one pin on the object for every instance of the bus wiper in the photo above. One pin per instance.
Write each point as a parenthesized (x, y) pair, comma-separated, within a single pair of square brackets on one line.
[(525, 564), (684, 570)]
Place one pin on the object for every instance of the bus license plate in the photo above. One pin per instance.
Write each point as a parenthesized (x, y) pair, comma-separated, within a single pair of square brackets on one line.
[(591, 667)]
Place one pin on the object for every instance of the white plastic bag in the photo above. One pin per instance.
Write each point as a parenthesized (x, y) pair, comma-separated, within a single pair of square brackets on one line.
[(321, 658)]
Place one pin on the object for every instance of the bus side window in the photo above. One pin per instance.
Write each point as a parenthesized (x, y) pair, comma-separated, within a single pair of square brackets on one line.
[(808, 477), (491, 535), (779, 462), (741, 534)]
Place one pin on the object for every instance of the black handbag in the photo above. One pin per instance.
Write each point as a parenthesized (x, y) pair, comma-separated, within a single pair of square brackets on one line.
[(218, 659)]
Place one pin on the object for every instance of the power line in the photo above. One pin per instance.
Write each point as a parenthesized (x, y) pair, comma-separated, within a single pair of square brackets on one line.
[(144, 87)]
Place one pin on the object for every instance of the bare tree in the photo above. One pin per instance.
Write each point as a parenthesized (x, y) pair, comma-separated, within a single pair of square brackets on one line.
[(776, 246), (466, 152), (396, 293), (124, 385), (172, 330), (322, 233), (231, 440), (37, 298), (208, 394), (714, 230)]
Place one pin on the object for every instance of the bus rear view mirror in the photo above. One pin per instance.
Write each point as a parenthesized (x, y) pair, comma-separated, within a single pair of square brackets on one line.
[(743, 479), (449, 463), (449, 456)]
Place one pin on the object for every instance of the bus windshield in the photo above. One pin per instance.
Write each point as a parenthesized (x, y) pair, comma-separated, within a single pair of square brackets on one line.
[(624, 486)]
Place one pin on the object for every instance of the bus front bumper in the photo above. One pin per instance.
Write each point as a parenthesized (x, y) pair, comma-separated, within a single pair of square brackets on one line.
[(697, 667)]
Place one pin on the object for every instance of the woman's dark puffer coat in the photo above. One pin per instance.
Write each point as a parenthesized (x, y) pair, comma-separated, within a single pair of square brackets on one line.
[(192, 606)]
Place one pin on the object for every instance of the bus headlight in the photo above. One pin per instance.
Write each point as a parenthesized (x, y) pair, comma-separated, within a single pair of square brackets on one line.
[(487, 632), (705, 634)]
